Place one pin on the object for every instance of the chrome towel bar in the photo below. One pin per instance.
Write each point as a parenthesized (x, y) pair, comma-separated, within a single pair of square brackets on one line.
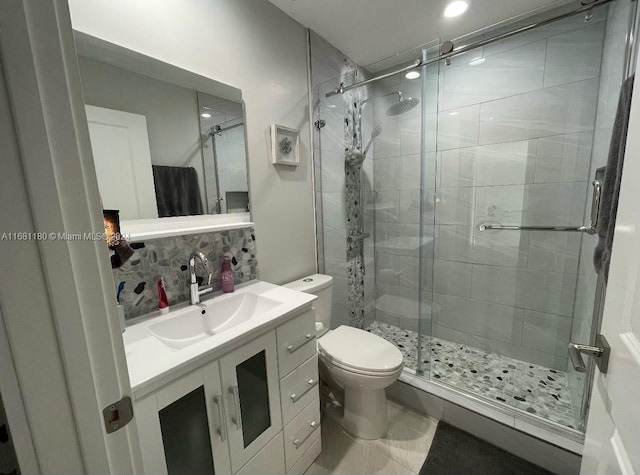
[(591, 229), (578, 229)]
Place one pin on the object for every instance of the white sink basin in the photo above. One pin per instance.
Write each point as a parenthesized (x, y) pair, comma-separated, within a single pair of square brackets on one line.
[(198, 322)]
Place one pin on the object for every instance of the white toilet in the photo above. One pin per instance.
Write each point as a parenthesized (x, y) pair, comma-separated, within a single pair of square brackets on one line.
[(359, 363)]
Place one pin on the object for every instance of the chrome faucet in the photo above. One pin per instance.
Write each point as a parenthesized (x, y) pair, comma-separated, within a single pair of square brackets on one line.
[(196, 290)]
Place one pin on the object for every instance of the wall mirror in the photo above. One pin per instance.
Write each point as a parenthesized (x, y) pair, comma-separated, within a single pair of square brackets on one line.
[(166, 141)]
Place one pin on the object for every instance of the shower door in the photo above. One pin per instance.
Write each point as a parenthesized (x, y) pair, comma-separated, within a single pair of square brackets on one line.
[(375, 237), (344, 200), (224, 154), (504, 139), (230, 168), (523, 124)]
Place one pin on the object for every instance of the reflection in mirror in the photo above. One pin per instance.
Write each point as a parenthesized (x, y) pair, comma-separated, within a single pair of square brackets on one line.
[(223, 143), (165, 141)]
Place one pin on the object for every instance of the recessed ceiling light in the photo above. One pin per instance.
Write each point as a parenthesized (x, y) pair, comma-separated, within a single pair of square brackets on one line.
[(412, 75), (455, 8), (476, 61), (205, 115)]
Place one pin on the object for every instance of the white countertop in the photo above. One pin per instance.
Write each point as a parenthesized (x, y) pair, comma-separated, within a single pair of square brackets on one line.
[(153, 364)]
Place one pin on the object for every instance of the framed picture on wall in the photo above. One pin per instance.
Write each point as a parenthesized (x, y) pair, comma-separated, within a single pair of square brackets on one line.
[(285, 146)]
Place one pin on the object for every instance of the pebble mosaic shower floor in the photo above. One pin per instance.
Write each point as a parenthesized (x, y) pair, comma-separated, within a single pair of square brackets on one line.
[(535, 389)]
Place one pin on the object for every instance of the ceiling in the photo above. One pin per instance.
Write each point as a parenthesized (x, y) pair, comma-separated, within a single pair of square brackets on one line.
[(370, 30)]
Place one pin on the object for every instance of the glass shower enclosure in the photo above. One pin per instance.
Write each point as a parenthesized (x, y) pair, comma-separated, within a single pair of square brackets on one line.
[(452, 204), (224, 154)]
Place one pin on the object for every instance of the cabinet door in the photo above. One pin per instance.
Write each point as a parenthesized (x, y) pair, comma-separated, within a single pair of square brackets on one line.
[(177, 429), (217, 420), (252, 397)]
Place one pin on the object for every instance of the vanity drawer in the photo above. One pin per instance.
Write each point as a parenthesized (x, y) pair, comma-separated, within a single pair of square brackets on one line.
[(299, 388), (296, 342), (307, 459), (269, 461), (301, 433)]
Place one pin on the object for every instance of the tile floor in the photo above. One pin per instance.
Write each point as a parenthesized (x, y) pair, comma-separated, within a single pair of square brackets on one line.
[(532, 388), (401, 452)]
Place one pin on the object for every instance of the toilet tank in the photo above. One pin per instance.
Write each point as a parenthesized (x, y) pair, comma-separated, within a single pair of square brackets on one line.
[(319, 285)]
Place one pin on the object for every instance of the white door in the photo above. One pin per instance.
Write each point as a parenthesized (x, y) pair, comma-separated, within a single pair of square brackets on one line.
[(63, 358), (121, 153), (612, 443)]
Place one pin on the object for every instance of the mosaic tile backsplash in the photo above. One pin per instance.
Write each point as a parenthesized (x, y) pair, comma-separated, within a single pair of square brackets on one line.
[(168, 258)]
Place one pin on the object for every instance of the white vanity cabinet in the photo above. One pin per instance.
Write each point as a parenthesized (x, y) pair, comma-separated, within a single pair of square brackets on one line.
[(252, 410), (182, 427), (298, 366), (252, 397)]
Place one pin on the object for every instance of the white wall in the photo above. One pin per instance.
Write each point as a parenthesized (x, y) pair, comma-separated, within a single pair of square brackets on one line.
[(252, 45)]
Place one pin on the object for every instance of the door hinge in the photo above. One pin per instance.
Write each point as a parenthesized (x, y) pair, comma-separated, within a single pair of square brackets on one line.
[(117, 414)]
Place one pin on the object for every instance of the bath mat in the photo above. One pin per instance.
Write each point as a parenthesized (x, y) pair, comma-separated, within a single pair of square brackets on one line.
[(456, 452)]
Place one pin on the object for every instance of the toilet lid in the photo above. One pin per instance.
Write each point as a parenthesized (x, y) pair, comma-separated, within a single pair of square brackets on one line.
[(360, 350)]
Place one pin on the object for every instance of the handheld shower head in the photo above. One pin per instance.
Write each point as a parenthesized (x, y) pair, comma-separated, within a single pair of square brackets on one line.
[(376, 131)]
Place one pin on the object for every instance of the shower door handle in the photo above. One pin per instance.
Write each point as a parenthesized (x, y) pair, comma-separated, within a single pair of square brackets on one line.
[(600, 353), (591, 229), (595, 205)]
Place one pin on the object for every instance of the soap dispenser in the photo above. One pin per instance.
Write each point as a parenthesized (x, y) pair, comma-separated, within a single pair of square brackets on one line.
[(163, 303), (226, 275)]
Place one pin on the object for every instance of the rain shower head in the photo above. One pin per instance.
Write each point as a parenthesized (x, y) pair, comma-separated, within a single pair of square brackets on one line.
[(402, 106)]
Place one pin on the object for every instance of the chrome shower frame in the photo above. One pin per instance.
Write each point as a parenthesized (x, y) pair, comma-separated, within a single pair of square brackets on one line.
[(448, 49)]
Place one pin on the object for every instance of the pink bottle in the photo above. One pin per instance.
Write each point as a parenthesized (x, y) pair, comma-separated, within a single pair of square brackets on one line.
[(227, 276)]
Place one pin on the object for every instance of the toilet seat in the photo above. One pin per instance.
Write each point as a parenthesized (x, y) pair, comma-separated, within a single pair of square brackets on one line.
[(360, 352)]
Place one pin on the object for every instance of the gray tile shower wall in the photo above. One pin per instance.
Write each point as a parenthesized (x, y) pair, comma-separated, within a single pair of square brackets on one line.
[(507, 130), (329, 66), (168, 258)]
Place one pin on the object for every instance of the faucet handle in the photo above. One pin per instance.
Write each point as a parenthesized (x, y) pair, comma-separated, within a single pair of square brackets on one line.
[(205, 263)]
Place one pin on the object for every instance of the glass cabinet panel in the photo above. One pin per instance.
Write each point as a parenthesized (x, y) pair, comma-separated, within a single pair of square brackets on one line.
[(185, 435), (253, 393), (252, 397)]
